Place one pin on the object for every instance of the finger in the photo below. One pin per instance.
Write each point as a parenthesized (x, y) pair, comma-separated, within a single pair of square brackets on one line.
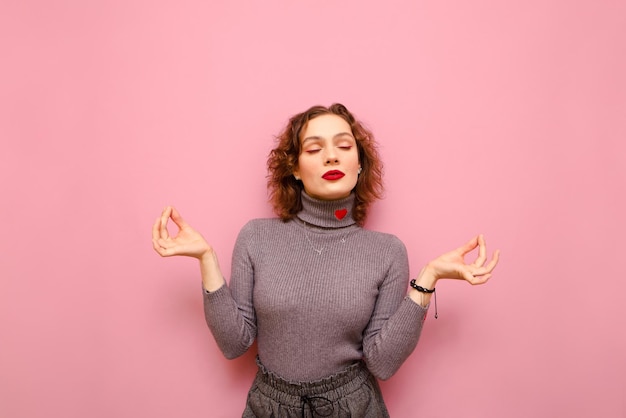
[(163, 233), (166, 248), (469, 246), (155, 229), (481, 279), (155, 245), (474, 279), (178, 220), (465, 274), (158, 247), (494, 261), (482, 252), (478, 271), (474, 276), (164, 252), (167, 243)]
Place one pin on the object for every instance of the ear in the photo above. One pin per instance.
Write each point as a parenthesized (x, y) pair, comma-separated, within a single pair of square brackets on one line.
[(296, 174)]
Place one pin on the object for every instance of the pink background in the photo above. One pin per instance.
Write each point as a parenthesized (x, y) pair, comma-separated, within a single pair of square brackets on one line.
[(506, 118)]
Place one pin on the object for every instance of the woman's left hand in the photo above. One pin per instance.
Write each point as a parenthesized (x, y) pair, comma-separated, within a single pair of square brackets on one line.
[(452, 265)]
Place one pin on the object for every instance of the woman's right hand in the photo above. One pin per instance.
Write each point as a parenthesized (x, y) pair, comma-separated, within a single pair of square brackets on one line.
[(187, 242)]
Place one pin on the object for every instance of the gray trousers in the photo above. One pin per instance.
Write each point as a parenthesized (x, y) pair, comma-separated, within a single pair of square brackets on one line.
[(353, 393)]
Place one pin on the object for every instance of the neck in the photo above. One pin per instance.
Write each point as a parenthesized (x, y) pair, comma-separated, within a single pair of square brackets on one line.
[(327, 213)]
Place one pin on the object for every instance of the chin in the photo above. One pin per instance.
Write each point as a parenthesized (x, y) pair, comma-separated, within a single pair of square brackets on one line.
[(334, 191)]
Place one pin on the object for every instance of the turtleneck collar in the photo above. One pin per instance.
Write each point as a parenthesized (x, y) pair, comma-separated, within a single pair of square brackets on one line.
[(327, 213)]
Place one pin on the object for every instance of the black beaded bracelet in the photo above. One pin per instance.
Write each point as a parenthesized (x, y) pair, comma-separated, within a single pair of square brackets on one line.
[(424, 290), (420, 288)]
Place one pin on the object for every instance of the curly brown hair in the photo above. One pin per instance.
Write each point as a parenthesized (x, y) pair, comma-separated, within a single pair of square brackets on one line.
[(285, 190)]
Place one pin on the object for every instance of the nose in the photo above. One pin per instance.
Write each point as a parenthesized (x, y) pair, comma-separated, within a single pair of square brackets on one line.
[(331, 156)]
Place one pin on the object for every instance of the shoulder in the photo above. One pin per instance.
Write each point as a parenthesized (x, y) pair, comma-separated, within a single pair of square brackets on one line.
[(260, 227), (259, 234), (383, 238), (260, 224), (383, 242)]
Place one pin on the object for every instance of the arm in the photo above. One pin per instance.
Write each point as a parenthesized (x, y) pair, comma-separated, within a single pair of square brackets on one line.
[(233, 329), (229, 311), (396, 322)]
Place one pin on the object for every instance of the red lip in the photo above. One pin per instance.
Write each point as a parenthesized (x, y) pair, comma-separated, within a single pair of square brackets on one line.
[(333, 175)]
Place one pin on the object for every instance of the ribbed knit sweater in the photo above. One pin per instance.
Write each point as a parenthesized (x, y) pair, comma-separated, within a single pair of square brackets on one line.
[(318, 293)]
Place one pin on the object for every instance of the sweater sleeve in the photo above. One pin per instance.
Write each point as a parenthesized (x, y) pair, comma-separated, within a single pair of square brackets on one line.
[(396, 323), (229, 311)]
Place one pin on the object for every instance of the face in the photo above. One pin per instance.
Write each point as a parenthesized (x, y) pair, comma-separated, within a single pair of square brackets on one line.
[(328, 164)]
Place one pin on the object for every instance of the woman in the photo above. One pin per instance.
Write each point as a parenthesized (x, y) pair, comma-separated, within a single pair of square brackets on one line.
[(325, 298)]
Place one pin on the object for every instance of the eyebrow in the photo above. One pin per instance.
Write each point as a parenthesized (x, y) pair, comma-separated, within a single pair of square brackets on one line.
[(340, 134)]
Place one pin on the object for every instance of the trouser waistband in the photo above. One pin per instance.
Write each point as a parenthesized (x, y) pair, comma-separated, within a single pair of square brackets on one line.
[(330, 389)]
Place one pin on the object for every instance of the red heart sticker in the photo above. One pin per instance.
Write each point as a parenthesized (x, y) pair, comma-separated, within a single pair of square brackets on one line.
[(341, 213)]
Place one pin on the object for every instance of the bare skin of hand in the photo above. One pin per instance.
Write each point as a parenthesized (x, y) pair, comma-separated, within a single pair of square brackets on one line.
[(187, 242), (452, 265)]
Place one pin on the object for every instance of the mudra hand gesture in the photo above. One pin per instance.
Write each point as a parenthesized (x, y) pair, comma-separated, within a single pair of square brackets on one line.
[(187, 241), (451, 265)]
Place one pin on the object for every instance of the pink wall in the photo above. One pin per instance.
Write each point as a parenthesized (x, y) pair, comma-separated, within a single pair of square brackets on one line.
[(507, 118)]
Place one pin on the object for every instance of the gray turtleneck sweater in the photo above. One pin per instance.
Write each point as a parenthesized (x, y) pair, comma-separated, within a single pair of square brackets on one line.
[(318, 293)]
